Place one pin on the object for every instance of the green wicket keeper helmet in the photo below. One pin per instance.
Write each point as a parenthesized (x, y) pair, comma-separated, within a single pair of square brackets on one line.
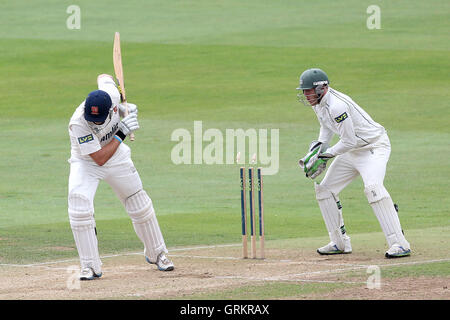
[(312, 79)]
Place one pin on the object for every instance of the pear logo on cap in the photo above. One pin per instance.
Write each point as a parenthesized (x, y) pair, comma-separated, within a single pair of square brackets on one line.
[(94, 110), (97, 106)]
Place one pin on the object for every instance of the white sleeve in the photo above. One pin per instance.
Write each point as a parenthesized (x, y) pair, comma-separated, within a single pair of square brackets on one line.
[(341, 115), (106, 83), (325, 134), (86, 141)]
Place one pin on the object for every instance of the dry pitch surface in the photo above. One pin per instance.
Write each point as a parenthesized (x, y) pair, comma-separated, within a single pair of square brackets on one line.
[(218, 271)]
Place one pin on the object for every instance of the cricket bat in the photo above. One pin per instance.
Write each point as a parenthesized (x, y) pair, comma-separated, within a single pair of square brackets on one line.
[(118, 70)]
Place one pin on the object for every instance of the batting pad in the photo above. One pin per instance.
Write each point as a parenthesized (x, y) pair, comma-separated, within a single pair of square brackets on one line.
[(140, 209), (81, 215), (331, 214), (387, 216)]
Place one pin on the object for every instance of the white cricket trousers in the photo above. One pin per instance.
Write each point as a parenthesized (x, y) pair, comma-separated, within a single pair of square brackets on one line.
[(370, 163), (119, 172)]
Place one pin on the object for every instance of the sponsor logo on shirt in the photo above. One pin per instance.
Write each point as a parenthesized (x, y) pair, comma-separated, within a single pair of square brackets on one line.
[(111, 133), (341, 118), (85, 139)]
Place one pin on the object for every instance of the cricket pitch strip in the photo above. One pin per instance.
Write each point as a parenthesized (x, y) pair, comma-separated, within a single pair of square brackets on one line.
[(219, 272)]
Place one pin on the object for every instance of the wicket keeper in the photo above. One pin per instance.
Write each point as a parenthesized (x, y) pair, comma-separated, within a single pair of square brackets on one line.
[(363, 149)]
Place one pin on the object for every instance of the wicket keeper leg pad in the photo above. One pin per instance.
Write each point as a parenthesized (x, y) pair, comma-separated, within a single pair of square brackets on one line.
[(387, 216), (330, 213), (140, 209), (375, 193)]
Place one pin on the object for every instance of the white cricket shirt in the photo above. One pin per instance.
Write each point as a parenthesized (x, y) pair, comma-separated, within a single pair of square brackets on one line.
[(86, 138), (339, 114)]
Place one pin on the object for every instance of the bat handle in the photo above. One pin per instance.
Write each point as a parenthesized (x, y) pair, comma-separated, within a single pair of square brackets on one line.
[(126, 113)]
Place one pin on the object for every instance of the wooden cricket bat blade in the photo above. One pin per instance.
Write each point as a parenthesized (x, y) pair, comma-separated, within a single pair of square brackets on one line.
[(118, 70)]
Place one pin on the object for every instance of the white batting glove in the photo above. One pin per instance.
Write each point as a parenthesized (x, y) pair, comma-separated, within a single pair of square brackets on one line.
[(132, 108), (129, 124)]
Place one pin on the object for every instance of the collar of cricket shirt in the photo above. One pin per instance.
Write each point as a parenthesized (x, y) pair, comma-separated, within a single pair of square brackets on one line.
[(324, 100)]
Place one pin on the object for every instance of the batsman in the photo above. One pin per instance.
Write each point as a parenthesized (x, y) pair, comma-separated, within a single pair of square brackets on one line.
[(98, 152), (363, 150)]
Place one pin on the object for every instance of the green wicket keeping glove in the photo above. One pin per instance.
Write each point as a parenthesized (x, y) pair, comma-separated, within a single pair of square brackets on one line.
[(314, 150), (316, 169)]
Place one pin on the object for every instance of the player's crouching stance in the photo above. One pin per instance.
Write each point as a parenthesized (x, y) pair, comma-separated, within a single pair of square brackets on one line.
[(363, 149), (98, 153)]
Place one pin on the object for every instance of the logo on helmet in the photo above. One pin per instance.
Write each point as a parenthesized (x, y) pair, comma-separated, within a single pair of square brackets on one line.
[(94, 110), (316, 83)]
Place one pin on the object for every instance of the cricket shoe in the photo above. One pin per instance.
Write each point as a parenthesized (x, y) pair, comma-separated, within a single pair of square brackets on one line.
[(163, 263), (397, 251), (332, 248), (88, 273)]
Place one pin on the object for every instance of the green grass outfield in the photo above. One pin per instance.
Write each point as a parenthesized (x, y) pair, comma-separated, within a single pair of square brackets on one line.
[(231, 65)]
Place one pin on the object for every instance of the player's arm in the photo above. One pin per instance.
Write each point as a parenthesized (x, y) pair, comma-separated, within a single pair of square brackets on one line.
[(102, 156), (126, 126), (317, 146), (325, 135), (106, 83), (346, 132)]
